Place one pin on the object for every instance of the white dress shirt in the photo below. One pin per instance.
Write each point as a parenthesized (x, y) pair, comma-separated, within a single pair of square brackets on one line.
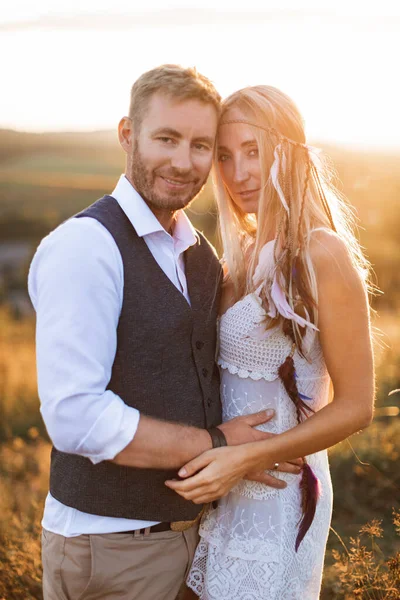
[(76, 286)]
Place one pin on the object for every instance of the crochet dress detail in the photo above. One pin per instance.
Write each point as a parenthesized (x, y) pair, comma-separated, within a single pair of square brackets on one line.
[(247, 545)]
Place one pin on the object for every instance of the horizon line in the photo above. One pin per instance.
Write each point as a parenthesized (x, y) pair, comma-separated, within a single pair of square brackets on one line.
[(348, 144)]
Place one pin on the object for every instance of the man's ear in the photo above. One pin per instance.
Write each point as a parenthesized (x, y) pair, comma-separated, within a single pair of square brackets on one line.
[(125, 134)]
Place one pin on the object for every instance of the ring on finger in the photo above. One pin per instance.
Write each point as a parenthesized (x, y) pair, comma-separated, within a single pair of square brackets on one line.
[(276, 466)]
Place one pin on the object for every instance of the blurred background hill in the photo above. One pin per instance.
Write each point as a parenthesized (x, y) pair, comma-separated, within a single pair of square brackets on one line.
[(44, 179)]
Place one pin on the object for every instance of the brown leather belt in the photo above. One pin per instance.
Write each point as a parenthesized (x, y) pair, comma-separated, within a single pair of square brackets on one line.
[(154, 529), (173, 526)]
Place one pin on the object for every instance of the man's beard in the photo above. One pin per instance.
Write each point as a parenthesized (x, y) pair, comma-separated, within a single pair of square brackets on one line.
[(144, 180)]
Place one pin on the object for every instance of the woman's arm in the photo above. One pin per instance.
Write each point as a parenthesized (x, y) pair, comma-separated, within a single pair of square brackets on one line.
[(346, 343)]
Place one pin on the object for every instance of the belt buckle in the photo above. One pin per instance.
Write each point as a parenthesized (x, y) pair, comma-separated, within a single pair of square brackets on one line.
[(184, 525)]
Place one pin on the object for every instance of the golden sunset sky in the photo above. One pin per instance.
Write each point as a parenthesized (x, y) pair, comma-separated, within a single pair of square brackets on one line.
[(69, 65)]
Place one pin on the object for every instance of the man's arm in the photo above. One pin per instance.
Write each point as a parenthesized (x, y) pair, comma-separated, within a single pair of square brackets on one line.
[(164, 445), (75, 283)]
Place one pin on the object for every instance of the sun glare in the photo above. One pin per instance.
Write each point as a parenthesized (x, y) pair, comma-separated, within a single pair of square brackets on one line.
[(339, 70)]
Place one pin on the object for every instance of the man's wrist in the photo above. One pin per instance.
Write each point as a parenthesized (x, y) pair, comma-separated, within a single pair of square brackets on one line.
[(205, 441), (196, 443)]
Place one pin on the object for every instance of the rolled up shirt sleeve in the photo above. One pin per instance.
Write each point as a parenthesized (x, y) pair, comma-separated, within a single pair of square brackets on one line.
[(76, 286)]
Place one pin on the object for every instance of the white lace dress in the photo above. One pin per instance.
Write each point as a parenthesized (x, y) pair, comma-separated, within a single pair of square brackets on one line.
[(247, 545)]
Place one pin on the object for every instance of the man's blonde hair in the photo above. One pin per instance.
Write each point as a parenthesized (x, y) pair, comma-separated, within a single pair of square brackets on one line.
[(173, 81)]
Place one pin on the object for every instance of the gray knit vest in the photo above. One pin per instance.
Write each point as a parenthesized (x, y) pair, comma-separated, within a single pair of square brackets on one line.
[(164, 366)]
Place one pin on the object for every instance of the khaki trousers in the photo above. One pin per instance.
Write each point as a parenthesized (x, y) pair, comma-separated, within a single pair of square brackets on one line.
[(120, 566)]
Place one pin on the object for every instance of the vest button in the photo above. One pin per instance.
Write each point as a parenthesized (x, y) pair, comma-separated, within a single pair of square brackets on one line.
[(199, 345), (209, 402), (205, 372)]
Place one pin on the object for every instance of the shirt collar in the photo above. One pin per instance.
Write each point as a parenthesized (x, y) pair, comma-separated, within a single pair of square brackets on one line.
[(142, 218)]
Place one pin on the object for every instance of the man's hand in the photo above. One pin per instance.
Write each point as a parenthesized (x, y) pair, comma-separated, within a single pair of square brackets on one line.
[(240, 430)]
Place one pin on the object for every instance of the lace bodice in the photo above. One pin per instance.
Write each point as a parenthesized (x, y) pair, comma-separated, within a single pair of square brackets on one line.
[(248, 350)]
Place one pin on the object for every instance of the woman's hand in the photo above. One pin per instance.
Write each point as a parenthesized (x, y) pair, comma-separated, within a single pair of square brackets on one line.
[(212, 474)]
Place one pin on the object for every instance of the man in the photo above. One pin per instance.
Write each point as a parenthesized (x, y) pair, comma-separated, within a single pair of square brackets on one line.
[(126, 295)]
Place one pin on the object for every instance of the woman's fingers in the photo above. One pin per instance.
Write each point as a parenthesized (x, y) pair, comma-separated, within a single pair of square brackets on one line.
[(297, 461), (196, 464), (187, 485), (220, 470), (214, 490), (202, 496), (267, 479), (288, 467), (205, 499), (207, 477), (275, 482), (215, 480), (205, 494)]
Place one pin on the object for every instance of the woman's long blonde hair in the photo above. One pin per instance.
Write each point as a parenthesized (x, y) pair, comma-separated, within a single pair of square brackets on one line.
[(307, 184)]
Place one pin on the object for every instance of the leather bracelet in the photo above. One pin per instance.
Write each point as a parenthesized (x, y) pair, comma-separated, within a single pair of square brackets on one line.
[(218, 438)]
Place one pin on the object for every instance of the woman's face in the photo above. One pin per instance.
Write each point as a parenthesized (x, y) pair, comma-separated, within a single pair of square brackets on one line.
[(238, 161)]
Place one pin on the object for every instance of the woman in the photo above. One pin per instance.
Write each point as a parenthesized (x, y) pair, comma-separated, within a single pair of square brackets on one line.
[(294, 327)]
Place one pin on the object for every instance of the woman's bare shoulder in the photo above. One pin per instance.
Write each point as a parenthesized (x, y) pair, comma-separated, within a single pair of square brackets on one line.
[(329, 254)]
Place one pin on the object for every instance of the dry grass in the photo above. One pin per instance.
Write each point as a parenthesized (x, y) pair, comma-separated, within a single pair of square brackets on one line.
[(361, 569), (23, 484), (19, 405)]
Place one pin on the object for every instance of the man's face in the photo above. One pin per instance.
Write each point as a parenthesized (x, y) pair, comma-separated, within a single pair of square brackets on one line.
[(172, 152)]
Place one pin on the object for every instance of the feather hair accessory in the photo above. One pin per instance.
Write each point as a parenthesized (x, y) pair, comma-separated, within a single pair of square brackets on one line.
[(309, 484), (310, 492)]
